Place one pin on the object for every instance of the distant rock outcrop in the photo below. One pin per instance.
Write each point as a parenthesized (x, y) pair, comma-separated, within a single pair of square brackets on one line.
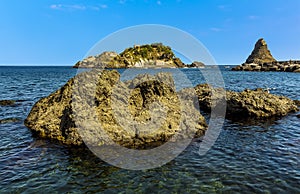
[(105, 59), (261, 59), (125, 111), (154, 55), (260, 53), (197, 64)]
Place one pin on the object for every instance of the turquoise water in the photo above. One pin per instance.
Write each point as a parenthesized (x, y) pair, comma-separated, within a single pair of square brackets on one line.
[(257, 157)]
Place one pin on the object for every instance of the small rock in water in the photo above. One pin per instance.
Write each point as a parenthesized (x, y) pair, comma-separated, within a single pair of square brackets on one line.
[(7, 102), (297, 102), (9, 120), (258, 103)]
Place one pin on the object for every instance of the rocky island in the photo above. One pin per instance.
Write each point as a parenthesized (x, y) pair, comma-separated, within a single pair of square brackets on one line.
[(261, 59), (100, 105), (154, 55), (115, 105)]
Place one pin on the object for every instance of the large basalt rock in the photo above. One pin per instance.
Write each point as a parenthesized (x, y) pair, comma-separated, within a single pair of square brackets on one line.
[(261, 59), (206, 99), (258, 103), (96, 105), (260, 53), (255, 104)]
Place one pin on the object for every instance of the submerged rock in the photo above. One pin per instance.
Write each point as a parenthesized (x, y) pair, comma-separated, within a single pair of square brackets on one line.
[(96, 105), (9, 120), (7, 102)]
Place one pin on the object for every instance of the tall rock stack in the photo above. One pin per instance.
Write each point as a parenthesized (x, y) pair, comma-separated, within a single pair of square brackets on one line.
[(260, 53), (261, 59)]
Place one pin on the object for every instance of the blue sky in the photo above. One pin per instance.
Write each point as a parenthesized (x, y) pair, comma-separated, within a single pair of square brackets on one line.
[(62, 32)]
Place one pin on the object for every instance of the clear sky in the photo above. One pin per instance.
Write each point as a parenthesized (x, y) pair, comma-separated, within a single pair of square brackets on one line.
[(62, 31)]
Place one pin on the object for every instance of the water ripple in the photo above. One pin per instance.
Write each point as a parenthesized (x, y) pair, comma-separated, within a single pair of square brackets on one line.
[(257, 157)]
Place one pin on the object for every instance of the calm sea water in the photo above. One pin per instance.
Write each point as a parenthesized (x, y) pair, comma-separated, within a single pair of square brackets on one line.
[(247, 157)]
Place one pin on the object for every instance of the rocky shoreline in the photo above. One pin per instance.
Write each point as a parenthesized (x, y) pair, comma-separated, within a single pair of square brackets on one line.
[(283, 66), (261, 59), (101, 106)]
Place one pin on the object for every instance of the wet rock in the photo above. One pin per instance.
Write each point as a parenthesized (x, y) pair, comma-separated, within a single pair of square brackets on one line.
[(297, 102), (297, 70), (205, 97), (140, 113), (7, 102), (258, 104), (9, 120), (246, 104), (298, 116), (237, 68)]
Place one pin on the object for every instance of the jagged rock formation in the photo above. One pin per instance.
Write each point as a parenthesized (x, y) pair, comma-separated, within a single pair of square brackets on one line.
[(256, 103), (103, 60), (154, 55), (260, 54), (140, 113), (261, 59)]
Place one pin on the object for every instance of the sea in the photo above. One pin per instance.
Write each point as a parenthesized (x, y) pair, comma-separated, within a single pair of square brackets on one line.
[(247, 157)]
